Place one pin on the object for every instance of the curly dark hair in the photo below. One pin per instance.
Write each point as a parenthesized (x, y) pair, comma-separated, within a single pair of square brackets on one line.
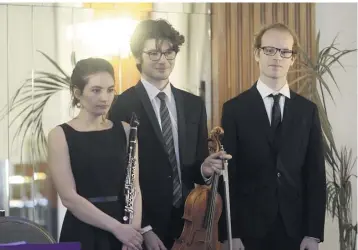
[(85, 68), (159, 30)]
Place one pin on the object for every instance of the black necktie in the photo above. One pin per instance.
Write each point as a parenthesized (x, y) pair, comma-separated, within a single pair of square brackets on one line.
[(276, 112), (169, 142)]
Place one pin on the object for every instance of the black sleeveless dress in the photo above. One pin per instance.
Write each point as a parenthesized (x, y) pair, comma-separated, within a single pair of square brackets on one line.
[(98, 166)]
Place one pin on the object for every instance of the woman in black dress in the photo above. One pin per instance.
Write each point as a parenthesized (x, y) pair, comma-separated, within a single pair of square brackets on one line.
[(87, 159)]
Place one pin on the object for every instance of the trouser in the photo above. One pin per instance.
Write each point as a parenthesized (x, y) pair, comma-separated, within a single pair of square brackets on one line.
[(276, 239), (175, 228)]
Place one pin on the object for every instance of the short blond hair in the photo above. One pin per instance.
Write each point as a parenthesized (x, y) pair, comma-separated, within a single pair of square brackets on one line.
[(276, 26)]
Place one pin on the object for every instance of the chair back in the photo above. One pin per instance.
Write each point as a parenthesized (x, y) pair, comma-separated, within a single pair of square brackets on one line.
[(16, 229)]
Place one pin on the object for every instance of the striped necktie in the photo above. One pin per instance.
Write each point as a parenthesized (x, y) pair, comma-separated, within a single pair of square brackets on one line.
[(169, 143)]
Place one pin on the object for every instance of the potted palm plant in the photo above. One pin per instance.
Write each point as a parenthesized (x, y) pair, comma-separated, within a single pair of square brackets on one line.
[(313, 84), (339, 199)]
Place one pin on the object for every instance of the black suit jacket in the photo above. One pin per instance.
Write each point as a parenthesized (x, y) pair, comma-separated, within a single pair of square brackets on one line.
[(266, 177), (155, 171)]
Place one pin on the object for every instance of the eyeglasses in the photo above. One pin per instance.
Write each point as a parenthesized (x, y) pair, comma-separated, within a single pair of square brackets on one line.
[(156, 55), (271, 51)]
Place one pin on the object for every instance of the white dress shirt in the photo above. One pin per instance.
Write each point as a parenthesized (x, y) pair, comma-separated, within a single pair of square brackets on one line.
[(265, 91)]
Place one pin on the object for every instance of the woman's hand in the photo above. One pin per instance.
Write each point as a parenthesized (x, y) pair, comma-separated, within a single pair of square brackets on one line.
[(129, 236)]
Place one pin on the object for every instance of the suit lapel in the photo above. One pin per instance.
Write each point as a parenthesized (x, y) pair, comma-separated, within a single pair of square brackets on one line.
[(143, 96), (179, 103), (258, 107)]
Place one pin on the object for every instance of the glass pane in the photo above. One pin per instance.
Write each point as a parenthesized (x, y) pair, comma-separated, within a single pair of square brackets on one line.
[(19, 69), (4, 142)]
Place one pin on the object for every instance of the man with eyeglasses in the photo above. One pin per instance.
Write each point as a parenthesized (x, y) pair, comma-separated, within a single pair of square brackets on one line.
[(172, 135), (277, 171)]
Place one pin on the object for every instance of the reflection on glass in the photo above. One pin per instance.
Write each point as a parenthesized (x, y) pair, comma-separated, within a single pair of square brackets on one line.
[(4, 186), (103, 37)]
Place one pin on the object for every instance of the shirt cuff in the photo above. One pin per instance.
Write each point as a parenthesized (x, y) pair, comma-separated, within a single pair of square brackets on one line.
[(313, 238), (207, 180), (145, 229)]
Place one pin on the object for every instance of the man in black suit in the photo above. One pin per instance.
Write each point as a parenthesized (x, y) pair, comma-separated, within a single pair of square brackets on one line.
[(277, 173), (172, 135)]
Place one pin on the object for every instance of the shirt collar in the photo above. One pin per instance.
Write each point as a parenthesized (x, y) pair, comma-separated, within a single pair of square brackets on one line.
[(265, 91), (154, 91)]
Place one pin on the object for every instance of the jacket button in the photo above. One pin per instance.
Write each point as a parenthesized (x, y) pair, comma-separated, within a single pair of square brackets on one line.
[(278, 175), (169, 176)]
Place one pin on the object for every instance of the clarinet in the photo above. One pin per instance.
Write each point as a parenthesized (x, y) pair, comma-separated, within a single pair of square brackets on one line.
[(129, 185)]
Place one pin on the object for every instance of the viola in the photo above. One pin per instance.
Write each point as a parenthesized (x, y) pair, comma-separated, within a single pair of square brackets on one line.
[(203, 208)]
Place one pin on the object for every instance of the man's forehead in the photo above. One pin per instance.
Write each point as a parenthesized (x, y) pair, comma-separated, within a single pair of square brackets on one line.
[(161, 44), (277, 38)]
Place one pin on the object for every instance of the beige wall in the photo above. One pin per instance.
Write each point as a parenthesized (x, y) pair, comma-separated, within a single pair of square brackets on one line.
[(331, 19)]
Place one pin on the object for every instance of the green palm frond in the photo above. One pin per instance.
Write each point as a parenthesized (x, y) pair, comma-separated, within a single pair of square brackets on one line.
[(28, 103), (339, 199)]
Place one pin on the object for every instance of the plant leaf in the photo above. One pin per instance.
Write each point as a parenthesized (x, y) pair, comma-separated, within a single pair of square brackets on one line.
[(54, 64), (28, 102)]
